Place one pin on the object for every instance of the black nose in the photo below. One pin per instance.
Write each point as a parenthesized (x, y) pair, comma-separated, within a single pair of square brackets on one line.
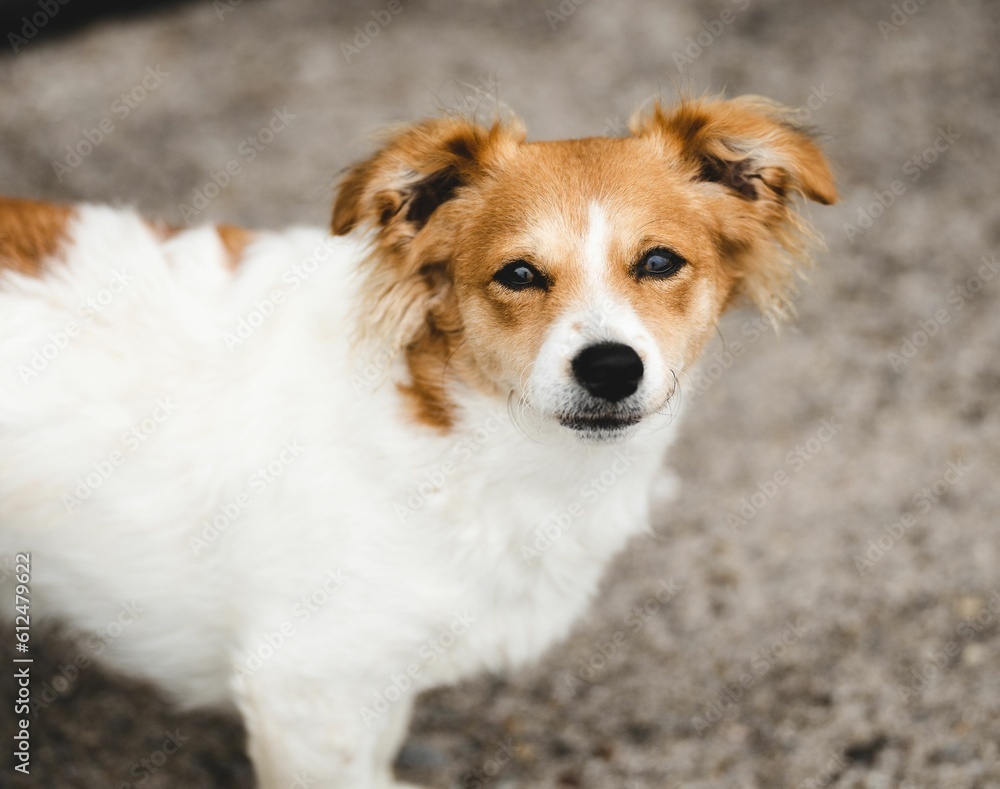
[(610, 370)]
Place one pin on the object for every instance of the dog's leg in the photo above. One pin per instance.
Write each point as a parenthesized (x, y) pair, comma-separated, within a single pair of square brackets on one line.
[(306, 731), (397, 724)]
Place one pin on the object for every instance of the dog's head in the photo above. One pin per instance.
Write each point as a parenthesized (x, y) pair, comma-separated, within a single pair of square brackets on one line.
[(581, 276)]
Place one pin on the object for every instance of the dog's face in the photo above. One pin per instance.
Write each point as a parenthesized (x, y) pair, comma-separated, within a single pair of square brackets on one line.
[(588, 281), (582, 276)]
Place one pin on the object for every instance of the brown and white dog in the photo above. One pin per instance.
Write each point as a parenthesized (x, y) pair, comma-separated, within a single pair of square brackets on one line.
[(328, 471)]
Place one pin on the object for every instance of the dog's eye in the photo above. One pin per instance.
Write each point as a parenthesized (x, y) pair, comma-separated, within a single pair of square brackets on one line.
[(660, 262), (520, 275)]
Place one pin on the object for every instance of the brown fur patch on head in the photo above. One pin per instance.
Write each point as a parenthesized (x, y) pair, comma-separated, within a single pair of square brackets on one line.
[(31, 232), (757, 160)]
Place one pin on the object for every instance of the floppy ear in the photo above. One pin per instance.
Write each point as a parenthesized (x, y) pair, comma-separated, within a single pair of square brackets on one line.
[(398, 196), (754, 161), (417, 169)]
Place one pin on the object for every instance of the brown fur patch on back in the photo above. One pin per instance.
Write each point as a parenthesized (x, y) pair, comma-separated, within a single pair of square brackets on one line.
[(162, 230), (30, 232), (235, 240)]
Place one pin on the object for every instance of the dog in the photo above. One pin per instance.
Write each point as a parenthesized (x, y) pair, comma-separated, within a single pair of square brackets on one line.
[(302, 474)]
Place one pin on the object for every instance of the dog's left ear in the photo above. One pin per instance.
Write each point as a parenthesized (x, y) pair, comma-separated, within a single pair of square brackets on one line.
[(754, 159)]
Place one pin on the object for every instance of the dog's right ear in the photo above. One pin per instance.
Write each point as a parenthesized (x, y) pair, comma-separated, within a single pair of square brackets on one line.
[(418, 169), (401, 195)]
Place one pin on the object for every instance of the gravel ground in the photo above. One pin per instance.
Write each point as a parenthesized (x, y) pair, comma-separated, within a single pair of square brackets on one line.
[(820, 606)]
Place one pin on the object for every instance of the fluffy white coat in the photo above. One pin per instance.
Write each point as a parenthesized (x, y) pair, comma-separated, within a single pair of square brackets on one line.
[(201, 448)]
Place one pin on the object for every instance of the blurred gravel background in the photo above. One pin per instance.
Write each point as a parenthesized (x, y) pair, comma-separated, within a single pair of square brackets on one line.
[(786, 649)]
